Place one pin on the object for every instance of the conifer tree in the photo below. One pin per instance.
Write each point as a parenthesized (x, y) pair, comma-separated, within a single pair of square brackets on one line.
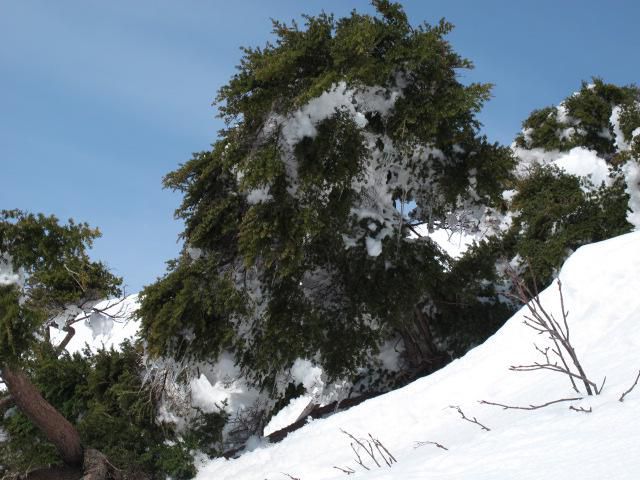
[(341, 137), (46, 276), (555, 212)]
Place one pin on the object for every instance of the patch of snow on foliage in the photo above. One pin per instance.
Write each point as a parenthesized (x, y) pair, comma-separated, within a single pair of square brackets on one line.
[(7, 275), (308, 374), (582, 162), (631, 172)]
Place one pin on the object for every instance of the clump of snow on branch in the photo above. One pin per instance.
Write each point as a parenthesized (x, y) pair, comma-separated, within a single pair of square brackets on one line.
[(8, 276)]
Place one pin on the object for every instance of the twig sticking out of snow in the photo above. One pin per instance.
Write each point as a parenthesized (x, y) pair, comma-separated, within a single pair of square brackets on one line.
[(439, 445), (368, 446), (580, 409), (474, 420), (530, 407), (382, 450), (290, 476), (347, 470), (558, 332), (621, 399)]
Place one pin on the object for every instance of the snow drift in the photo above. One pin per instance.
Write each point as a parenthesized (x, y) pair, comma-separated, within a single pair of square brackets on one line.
[(600, 285)]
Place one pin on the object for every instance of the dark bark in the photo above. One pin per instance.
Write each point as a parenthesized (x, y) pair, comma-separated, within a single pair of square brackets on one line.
[(97, 467), (44, 416), (315, 412), (61, 472), (5, 404), (421, 353), (65, 341)]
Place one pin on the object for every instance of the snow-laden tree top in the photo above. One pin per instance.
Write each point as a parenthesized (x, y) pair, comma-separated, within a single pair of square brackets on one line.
[(341, 136)]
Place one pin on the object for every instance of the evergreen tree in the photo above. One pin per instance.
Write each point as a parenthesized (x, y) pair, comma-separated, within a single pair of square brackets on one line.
[(341, 137), (553, 212)]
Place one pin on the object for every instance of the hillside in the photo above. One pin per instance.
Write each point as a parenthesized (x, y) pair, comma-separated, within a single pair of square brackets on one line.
[(600, 285)]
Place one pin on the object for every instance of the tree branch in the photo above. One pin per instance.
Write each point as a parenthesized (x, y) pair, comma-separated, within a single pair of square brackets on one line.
[(420, 444), (474, 420), (530, 407), (621, 399)]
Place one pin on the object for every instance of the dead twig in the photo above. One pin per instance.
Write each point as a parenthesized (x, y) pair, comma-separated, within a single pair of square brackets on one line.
[(420, 444), (382, 450), (368, 445), (557, 332), (580, 409), (530, 407), (471, 420), (621, 399), (347, 470), (290, 476)]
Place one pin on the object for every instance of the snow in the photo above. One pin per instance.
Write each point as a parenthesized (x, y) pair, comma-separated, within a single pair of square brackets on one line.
[(600, 285), (308, 374), (221, 385), (259, 195), (631, 172), (582, 162), (578, 161), (98, 331), (7, 274), (288, 414)]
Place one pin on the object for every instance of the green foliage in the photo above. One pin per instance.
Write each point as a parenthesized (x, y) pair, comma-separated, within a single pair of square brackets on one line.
[(114, 411), (190, 298), (470, 307), (281, 222), (587, 120), (556, 216), (58, 272)]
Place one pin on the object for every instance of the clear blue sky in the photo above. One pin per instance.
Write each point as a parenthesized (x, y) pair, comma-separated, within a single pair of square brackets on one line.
[(100, 99)]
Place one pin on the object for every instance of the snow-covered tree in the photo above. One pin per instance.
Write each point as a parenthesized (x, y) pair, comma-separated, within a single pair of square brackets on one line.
[(45, 277), (578, 176), (60, 414), (342, 136)]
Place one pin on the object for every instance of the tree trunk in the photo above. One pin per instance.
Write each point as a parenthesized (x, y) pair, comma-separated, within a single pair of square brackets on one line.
[(49, 421), (64, 472), (421, 353)]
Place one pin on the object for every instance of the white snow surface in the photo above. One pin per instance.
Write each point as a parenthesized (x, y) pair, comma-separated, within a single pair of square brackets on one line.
[(600, 285)]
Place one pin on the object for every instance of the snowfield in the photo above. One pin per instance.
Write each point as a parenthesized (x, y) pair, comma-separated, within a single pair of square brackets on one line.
[(601, 288)]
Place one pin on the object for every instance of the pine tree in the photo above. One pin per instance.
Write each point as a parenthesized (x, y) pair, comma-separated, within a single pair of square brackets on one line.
[(555, 212), (342, 136), (45, 271)]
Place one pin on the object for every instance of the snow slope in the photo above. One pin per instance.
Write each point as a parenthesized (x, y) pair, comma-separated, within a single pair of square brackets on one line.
[(601, 287)]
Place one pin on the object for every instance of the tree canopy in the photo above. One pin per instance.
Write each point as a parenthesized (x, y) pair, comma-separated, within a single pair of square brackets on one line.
[(342, 136)]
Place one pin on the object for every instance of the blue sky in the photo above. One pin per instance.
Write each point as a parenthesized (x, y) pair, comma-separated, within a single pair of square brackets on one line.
[(99, 100)]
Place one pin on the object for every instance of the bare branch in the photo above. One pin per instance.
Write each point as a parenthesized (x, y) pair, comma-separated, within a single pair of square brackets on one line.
[(580, 409), (420, 444), (554, 368), (6, 403), (415, 231), (544, 322), (382, 450), (290, 476), (347, 470), (65, 341), (473, 420), (621, 399), (530, 407), (358, 459), (368, 446)]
